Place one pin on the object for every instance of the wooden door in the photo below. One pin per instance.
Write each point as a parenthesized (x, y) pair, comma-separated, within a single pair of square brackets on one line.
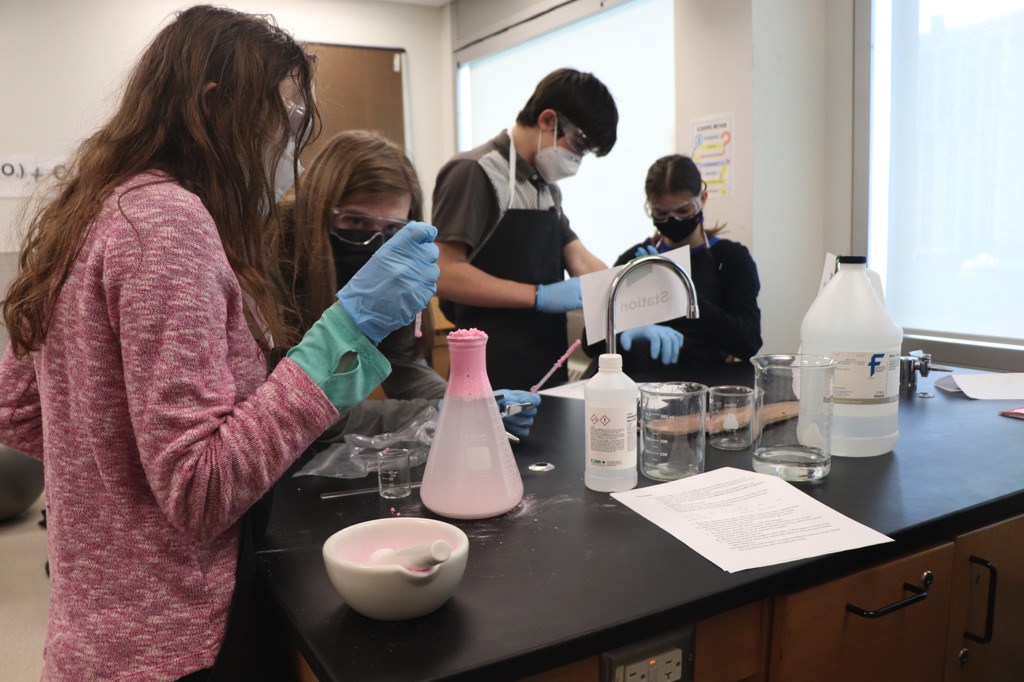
[(815, 637), (733, 646), (998, 551), (358, 88)]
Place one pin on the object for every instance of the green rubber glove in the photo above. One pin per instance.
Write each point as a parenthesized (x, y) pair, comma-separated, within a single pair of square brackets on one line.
[(340, 359)]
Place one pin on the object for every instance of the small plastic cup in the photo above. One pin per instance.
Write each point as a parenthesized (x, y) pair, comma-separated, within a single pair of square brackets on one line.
[(731, 413), (394, 474)]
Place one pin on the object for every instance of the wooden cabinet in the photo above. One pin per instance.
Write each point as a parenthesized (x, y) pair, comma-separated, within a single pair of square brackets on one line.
[(981, 610), (733, 646), (900, 633), (969, 628)]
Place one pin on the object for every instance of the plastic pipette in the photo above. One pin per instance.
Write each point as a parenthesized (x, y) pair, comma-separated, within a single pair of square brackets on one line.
[(561, 361)]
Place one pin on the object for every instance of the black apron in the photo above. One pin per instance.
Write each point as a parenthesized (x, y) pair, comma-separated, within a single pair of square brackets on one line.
[(522, 344)]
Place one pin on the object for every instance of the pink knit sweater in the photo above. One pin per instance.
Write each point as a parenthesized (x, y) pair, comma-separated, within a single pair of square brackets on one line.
[(151, 408)]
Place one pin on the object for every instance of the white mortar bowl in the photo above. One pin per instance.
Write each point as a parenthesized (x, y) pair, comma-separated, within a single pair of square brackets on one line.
[(390, 592)]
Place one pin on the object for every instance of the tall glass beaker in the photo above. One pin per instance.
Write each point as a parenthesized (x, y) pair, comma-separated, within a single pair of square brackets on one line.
[(793, 415), (471, 472)]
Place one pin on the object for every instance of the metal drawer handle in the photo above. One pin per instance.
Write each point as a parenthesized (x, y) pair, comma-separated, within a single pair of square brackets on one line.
[(920, 593), (990, 616)]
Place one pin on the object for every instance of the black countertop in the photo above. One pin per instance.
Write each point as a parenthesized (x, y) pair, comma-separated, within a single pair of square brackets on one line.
[(570, 572)]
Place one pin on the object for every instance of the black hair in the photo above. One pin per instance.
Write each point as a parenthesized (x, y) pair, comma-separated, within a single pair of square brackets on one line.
[(581, 98), (671, 175)]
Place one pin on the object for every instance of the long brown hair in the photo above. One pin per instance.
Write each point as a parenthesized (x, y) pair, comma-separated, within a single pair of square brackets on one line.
[(353, 167), (215, 142)]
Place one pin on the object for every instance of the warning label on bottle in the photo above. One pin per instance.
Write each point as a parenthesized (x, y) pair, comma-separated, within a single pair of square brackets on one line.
[(866, 378), (611, 438)]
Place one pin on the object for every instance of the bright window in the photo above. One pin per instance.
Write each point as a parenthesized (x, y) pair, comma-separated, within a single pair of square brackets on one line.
[(946, 197), (630, 48)]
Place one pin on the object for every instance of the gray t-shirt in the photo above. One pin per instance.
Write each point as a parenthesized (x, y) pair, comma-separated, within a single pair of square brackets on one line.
[(472, 194)]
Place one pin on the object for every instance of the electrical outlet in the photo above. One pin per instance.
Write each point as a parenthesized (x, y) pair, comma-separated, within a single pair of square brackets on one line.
[(670, 666), (665, 658), (638, 672)]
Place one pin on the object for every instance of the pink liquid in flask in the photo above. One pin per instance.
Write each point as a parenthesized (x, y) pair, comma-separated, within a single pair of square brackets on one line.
[(471, 472)]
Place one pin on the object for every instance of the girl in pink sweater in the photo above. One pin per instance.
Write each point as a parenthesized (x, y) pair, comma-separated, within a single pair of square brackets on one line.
[(139, 321)]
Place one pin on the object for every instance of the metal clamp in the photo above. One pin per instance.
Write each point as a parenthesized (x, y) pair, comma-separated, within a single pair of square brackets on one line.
[(910, 365)]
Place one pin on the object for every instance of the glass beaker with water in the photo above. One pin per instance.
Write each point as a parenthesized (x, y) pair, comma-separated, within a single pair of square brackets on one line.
[(672, 429), (793, 415), (471, 472)]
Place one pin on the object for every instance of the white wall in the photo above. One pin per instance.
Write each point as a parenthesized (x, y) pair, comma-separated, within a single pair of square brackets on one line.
[(784, 70), (65, 59), (789, 161), (710, 81)]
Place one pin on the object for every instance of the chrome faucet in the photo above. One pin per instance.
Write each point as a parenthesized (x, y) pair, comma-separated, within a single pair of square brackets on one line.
[(675, 267)]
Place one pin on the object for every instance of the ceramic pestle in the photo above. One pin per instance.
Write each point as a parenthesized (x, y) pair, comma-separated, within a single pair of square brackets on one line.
[(416, 558)]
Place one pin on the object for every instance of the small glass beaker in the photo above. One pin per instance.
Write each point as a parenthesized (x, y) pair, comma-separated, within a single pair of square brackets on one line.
[(393, 473), (672, 416), (793, 415), (731, 417)]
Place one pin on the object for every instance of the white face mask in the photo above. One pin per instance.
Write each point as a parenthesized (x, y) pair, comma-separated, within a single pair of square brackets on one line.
[(284, 176), (555, 163)]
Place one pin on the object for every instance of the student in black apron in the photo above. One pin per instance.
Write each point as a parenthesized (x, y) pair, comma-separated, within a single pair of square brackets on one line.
[(505, 244)]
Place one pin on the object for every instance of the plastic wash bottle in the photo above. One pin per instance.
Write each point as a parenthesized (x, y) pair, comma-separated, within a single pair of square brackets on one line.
[(849, 323), (610, 404)]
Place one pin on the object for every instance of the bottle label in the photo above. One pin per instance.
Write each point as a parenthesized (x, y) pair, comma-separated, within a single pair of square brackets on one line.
[(611, 438), (866, 378)]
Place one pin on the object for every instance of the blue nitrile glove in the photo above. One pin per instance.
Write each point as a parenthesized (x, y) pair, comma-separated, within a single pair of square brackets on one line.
[(560, 297), (665, 341), (649, 250), (395, 284), (523, 408)]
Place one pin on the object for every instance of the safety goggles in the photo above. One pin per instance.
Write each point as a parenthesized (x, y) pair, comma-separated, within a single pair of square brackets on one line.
[(687, 210), (361, 230), (577, 141), (296, 112)]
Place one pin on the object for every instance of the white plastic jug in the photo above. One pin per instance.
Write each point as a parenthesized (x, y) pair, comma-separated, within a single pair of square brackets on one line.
[(849, 323)]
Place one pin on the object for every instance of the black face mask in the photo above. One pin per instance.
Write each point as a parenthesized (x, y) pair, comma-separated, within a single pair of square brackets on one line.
[(348, 258), (678, 229)]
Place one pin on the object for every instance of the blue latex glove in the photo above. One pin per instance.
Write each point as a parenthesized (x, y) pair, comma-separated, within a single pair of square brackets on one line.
[(518, 424), (665, 341), (395, 284), (649, 250), (560, 297)]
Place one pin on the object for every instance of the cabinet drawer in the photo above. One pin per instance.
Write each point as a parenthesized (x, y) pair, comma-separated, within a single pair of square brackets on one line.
[(815, 637), (986, 624)]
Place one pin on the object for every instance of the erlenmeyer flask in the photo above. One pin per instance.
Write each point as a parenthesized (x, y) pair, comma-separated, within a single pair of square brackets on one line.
[(471, 472)]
